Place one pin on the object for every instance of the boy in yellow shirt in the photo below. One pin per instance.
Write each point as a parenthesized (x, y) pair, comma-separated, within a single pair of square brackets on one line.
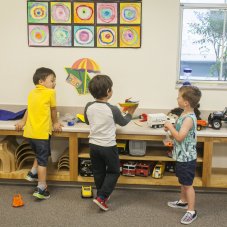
[(40, 115)]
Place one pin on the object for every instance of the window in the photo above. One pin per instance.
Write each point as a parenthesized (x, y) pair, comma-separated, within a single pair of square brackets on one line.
[(203, 48)]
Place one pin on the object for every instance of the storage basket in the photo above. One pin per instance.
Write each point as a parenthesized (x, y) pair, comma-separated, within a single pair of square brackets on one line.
[(137, 148)]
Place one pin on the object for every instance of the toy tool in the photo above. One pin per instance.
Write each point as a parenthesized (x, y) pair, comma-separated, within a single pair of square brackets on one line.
[(167, 141), (17, 201)]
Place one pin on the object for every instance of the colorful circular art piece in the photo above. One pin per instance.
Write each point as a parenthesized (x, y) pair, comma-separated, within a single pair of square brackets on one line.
[(61, 36), (130, 13), (60, 12), (106, 36), (38, 11), (84, 36), (129, 36), (84, 12), (106, 13), (38, 35)]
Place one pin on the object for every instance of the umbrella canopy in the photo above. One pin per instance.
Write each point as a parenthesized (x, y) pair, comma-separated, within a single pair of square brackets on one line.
[(86, 64)]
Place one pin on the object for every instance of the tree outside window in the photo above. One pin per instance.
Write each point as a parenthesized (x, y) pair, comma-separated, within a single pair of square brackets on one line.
[(204, 43)]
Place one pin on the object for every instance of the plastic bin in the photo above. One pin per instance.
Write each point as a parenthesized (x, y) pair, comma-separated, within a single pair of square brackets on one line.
[(137, 148)]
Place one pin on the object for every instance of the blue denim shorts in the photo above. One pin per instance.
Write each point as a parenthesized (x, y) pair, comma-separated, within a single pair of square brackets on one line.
[(41, 149), (185, 171)]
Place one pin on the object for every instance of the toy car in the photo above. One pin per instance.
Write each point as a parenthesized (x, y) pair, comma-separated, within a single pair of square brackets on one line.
[(158, 170), (129, 169), (158, 120), (215, 119), (170, 167), (142, 169), (86, 192), (201, 124), (85, 169), (122, 147)]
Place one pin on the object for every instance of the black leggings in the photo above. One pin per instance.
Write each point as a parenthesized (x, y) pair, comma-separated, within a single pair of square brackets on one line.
[(106, 168)]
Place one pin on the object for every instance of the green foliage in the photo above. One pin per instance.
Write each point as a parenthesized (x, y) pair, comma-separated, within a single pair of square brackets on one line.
[(209, 27)]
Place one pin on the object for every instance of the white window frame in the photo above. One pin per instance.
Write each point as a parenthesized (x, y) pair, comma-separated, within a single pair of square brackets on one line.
[(209, 85)]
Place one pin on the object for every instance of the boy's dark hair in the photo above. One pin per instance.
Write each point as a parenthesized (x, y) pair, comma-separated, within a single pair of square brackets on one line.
[(192, 94), (99, 86), (41, 74)]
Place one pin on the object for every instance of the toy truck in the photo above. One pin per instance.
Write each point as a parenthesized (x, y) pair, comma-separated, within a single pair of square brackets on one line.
[(129, 169), (215, 119), (142, 169), (122, 147), (158, 170), (158, 120), (201, 124), (85, 169), (86, 191)]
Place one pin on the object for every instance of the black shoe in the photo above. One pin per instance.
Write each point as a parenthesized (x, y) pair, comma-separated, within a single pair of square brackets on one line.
[(41, 194), (31, 177)]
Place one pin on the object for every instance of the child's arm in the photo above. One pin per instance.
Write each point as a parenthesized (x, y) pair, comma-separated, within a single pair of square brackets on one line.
[(56, 125), (186, 126), (119, 118), (19, 125)]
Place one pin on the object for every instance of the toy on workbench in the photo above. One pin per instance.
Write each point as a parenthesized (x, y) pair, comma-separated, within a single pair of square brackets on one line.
[(128, 103), (215, 119), (158, 120)]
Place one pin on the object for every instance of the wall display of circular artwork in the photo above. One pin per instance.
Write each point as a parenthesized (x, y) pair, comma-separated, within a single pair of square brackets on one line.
[(129, 36), (84, 36), (106, 13), (83, 12), (38, 35), (130, 13), (61, 36), (106, 36), (37, 12), (60, 12), (84, 23)]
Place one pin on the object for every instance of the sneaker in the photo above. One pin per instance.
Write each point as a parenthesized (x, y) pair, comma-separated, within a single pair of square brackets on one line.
[(41, 194), (178, 204), (107, 199), (188, 218), (31, 177), (101, 203)]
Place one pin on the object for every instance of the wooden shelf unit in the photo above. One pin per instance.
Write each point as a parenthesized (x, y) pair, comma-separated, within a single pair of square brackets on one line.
[(207, 178), (152, 154)]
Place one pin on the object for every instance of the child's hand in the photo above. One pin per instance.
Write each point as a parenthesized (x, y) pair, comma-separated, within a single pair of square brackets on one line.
[(58, 127), (132, 109), (19, 125), (167, 126)]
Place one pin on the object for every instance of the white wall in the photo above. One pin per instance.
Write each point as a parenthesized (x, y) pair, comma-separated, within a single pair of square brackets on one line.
[(147, 74)]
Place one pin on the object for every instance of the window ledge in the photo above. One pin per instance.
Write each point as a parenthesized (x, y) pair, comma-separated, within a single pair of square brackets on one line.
[(209, 85)]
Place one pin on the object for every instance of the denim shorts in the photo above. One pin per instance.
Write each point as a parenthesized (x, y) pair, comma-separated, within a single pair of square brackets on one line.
[(41, 149), (185, 171)]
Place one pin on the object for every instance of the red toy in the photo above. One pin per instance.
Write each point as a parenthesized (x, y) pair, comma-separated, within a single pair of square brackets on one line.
[(142, 169)]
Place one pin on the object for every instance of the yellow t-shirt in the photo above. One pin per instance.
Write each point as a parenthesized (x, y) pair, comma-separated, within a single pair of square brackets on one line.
[(39, 123)]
